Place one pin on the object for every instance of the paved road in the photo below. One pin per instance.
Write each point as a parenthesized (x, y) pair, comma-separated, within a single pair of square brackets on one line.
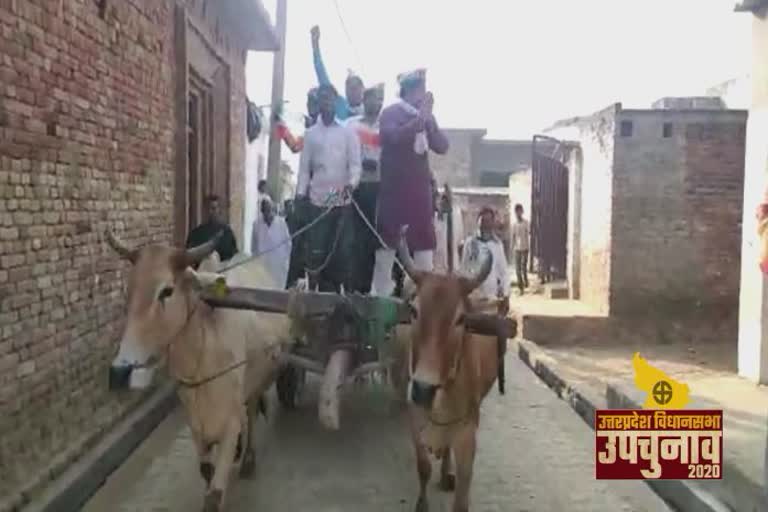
[(535, 455)]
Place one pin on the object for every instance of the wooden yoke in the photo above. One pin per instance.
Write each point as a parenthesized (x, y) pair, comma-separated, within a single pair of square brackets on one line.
[(320, 303)]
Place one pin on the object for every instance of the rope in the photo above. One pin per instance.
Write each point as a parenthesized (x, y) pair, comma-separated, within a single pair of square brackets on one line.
[(297, 233), (327, 261), (373, 230)]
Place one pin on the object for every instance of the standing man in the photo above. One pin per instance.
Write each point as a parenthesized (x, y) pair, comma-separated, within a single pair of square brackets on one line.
[(271, 241), (495, 289), (366, 195), (407, 131), (295, 144), (329, 170), (347, 107), (520, 242), (227, 244)]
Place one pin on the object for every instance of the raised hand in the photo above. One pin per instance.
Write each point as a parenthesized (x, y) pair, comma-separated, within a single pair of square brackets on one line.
[(315, 32)]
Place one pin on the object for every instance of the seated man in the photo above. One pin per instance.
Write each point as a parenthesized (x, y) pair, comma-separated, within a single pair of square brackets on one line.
[(227, 244), (496, 287)]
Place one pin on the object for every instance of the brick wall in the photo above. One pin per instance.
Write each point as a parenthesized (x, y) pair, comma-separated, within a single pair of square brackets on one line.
[(677, 209), (86, 143), (595, 135)]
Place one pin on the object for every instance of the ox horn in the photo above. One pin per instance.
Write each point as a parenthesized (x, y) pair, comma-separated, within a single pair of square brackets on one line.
[(470, 283), (120, 248), (405, 258), (195, 255)]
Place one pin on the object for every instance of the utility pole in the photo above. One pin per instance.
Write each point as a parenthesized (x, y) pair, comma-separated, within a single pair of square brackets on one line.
[(274, 183)]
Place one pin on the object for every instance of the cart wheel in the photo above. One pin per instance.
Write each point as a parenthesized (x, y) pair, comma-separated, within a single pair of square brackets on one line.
[(289, 384)]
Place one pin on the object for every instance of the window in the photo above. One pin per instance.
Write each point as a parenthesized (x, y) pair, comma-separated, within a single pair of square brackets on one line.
[(667, 130), (626, 128), (199, 147)]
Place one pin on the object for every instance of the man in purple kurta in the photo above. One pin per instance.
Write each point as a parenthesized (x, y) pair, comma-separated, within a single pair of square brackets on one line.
[(407, 131)]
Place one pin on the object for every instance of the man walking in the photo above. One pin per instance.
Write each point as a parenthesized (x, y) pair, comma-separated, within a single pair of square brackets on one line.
[(347, 107), (271, 241), (495, 288), (366, 195), (521, 234), (407, 131), (329, 170)]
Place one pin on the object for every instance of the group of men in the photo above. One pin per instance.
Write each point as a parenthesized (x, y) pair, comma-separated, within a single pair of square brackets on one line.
[(364, 174)]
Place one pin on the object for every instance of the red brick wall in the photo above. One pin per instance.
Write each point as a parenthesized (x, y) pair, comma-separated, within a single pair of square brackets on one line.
[(677, 210), (86, 142)]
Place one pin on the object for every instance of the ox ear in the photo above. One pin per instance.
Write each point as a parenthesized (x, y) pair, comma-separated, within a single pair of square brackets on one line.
[(417, 276), (193, 256), (469, 284), (120, 248)]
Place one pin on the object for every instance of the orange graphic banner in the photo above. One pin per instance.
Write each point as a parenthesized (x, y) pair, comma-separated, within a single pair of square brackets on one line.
[(658, 444)]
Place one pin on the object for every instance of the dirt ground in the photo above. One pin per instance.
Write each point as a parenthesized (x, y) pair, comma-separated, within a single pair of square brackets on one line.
[(687, 343)]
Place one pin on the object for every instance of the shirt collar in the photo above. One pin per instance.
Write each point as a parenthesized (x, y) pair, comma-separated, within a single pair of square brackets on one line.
[(319, 122)]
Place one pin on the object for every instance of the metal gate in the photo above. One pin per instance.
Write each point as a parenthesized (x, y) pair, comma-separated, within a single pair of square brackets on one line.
[(549, 210)]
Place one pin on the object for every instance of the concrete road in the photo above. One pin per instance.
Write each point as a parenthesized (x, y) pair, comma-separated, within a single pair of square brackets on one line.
[(535, 455)]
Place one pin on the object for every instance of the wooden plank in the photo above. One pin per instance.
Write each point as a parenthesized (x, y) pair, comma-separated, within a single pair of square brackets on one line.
[(315, 303)]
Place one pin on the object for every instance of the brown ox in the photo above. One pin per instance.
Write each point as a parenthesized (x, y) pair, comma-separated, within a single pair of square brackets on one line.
[(222, 359), (451, 372)]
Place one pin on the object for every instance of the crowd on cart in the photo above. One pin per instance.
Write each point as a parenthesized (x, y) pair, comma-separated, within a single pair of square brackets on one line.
[(364, 176)]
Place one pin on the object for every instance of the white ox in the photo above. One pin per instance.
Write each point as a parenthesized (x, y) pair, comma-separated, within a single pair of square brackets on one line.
[(223, 360)]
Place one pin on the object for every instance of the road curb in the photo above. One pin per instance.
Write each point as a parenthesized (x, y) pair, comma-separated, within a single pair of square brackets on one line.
[(683, 496), (80, 481), (546, 369)]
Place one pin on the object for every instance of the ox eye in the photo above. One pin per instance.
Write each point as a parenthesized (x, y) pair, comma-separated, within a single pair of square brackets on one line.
[(165, 293)]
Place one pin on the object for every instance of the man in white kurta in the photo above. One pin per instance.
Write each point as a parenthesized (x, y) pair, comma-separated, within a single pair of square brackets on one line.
[(496, 287), (271, 241)]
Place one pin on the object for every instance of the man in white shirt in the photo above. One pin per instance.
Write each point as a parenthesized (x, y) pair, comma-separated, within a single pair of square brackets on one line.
[(271, 241), (475, 250), (520, 243), (442, 210), (329, 170)]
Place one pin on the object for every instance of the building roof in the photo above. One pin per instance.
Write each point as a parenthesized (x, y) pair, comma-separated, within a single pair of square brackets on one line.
[(251, 21), (480, 191), (750, 5), (480, 132)]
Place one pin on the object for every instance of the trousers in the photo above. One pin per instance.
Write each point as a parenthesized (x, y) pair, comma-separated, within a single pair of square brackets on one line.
[(330, 249), (383, 284)]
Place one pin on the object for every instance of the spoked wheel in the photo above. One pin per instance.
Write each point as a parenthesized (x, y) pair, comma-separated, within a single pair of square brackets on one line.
[(290, 382)]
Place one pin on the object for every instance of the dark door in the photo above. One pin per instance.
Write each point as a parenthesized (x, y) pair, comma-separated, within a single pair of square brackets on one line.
[(549, 212)]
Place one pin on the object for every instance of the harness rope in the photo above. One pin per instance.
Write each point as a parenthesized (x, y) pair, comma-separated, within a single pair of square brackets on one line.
[(387, 310)]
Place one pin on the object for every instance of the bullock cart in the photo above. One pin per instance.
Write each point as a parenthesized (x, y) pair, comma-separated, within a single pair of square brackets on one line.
[(341, 336)]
